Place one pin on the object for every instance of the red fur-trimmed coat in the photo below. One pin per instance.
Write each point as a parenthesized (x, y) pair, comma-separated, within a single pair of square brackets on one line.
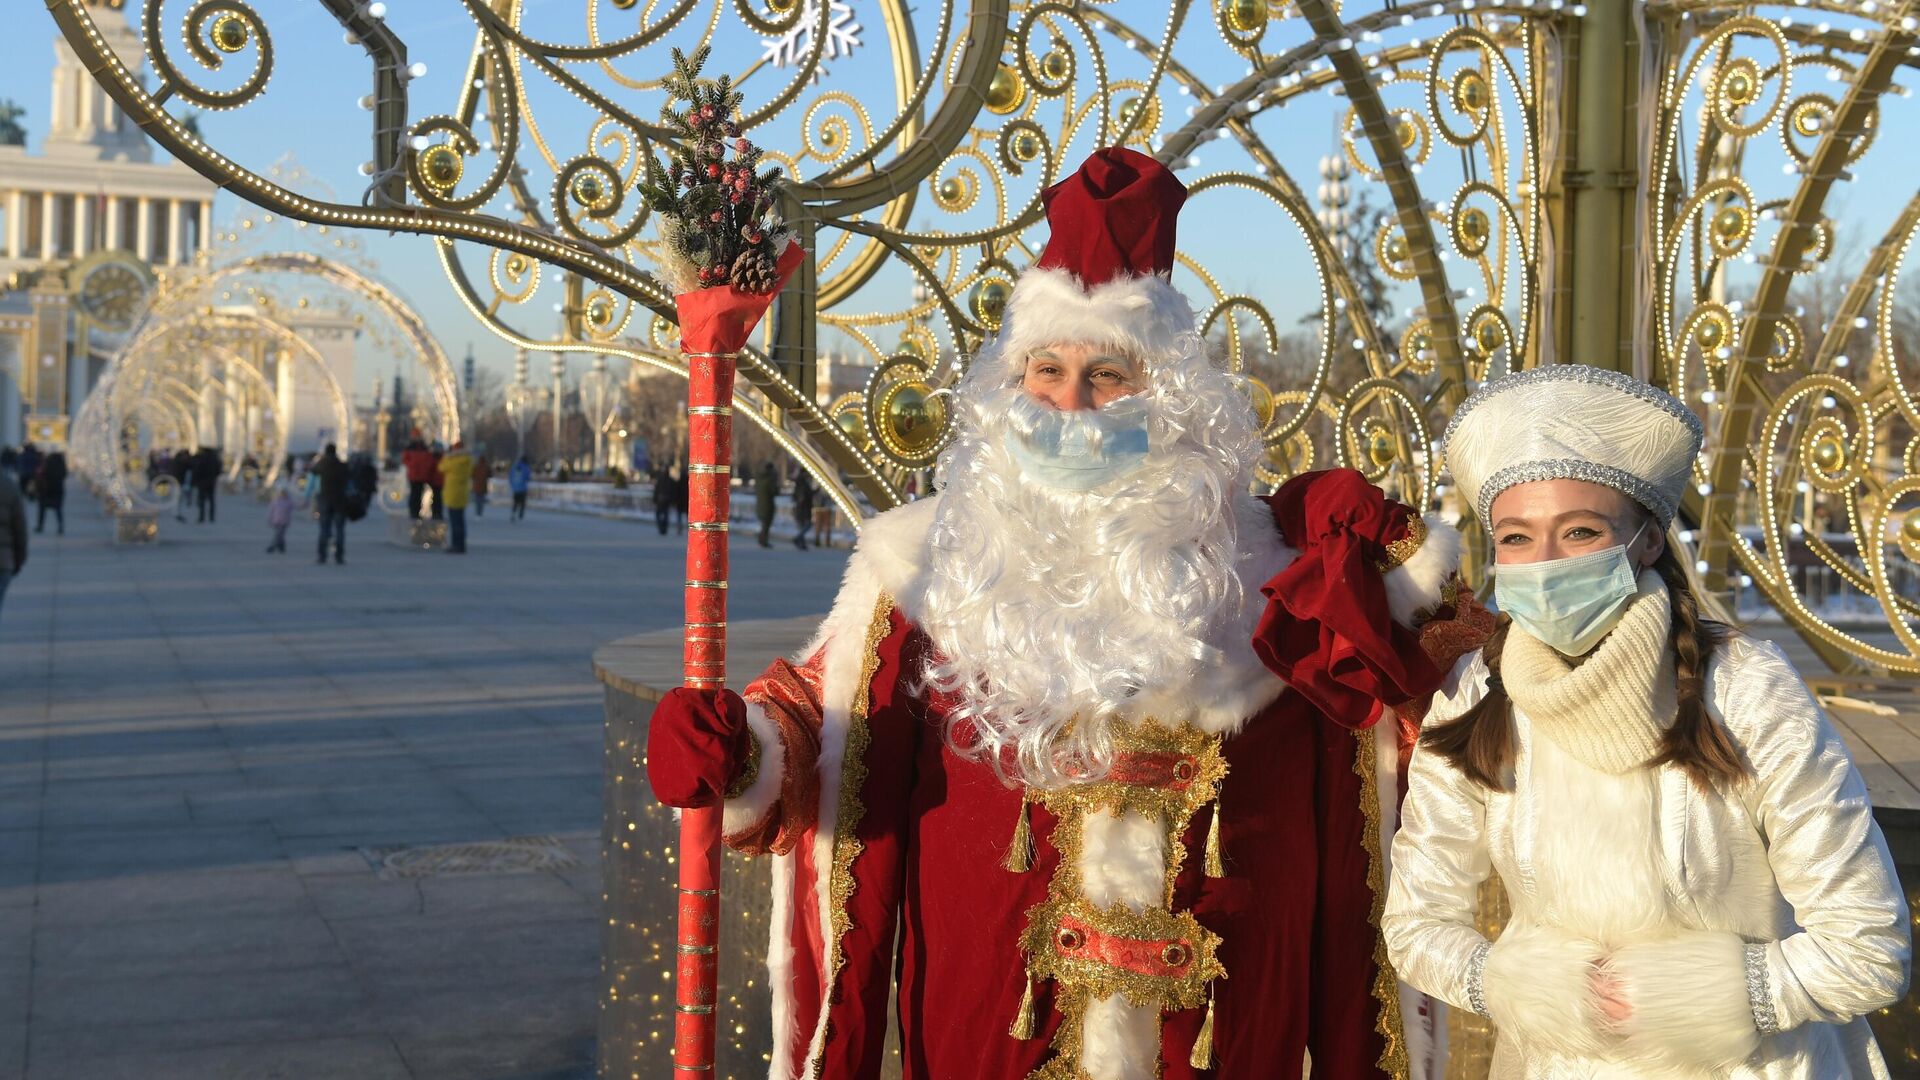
[(890, 847)]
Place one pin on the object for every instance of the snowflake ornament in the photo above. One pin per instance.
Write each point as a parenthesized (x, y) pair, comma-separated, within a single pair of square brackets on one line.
[(788, 50)]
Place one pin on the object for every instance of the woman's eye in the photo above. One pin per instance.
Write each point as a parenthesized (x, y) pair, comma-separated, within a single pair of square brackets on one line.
[(1581, 532), (1514, 538)]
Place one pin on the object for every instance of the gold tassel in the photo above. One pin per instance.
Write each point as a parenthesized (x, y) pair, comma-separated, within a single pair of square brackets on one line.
[(1202, 1057), (1215, 866), (1020, 856), (1023, 1020)]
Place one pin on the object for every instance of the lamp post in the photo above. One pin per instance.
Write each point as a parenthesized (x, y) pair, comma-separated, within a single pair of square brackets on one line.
[(559, 408), (596, 401), (523, 403)]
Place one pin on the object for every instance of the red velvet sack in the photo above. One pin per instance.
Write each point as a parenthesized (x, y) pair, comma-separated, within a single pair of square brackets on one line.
[(1326, 630), (696, 743)]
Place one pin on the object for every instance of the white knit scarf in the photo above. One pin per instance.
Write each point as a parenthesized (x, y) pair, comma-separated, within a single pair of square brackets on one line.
[(1609, 712)]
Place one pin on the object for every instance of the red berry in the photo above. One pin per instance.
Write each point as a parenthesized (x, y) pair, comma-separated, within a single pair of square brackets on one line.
[(742, 145), (756, 237), (713, 170), (717, 215)]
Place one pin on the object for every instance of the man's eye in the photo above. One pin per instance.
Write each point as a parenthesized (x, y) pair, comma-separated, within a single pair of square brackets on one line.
[(1109, 376)]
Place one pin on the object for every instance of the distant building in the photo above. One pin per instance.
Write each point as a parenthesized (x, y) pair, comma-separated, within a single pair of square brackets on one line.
[(85, 225)]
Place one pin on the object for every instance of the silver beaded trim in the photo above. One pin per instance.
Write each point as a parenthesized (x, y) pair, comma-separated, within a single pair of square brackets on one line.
[(1660, 504), (1760, 991), (1585, 373), (1477, 977)]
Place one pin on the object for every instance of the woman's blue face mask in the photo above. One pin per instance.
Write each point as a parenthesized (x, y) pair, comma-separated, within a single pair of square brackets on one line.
[(1078, 450), (1569, 603)]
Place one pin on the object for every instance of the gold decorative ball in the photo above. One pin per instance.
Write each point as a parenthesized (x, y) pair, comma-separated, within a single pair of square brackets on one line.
[(1407, 132), (1397, 249), (1380, 448), (1470, 91), (1710, 333), (588, 190), (1740, 87), (1830, 454), (1910, 527), (780, 7), (1006, 92), (989, 302), (1474, 226), (442, 166), (913, 418), (1056, 65), (1261, 399), (854, 427), (1246, 16), (229, 33), (1488, 335), (1810, 119), (1730, 222), (1026, 146), (951, 190)]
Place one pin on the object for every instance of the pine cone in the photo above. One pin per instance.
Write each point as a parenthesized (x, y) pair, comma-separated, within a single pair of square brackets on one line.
[(753, 271)]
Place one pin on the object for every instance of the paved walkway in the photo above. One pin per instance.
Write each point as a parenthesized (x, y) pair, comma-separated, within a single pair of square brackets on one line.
[(198, 742)]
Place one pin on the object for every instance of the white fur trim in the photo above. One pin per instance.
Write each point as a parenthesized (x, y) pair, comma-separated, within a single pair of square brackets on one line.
[(1122, 860), (752, 806), (844, 636), (1142, 316), (1538, 989), (780, 969), (1120, 1041), (1415, 585), (1689, 999)]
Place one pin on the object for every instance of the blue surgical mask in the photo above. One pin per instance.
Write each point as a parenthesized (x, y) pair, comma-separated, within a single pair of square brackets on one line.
[(1570, 603), (1079, 450)]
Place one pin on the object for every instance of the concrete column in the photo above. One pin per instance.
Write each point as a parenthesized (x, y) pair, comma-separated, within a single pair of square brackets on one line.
[(209, 418), (173, 233), (206, 223), (143, 229), (113, 230), (82, 225), (48, 222), (16, 225)]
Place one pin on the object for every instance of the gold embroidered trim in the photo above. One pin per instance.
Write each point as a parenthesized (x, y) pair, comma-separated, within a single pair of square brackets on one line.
[(846, 845), (1079, 982), (749, 771), (1402, 549), (1386, 984)]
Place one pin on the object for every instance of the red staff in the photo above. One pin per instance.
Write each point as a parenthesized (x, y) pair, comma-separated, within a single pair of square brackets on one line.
[(724, 249), (714, 325)]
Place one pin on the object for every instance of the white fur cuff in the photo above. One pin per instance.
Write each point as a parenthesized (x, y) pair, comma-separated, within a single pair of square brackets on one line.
[(1538, 986), (1415, 585), (751, 807), (1689, 999)]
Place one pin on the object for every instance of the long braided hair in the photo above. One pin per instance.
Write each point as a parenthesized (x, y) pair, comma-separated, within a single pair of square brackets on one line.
[(1479, 742)]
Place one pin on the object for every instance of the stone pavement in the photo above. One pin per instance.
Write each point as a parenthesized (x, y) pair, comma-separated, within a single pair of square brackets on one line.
[(198, 741)]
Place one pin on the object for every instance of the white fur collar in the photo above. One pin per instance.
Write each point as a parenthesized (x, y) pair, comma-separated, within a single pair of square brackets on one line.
[(893, 549)]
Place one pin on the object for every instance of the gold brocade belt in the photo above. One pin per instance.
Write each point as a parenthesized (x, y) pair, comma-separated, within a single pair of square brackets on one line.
[(1154, 957)]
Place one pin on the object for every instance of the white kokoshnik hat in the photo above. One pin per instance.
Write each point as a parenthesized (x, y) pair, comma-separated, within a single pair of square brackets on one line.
[(1572, 421)]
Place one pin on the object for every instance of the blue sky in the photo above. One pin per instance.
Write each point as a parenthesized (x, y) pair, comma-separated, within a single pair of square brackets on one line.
[(310, 111)]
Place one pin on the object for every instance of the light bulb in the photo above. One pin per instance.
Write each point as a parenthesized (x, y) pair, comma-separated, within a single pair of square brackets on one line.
[(416, 70)]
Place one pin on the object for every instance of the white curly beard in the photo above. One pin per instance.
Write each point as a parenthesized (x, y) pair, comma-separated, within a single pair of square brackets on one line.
[(1052, 611)]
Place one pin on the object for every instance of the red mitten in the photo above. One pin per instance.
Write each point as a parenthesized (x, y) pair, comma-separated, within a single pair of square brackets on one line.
[(696, 743)]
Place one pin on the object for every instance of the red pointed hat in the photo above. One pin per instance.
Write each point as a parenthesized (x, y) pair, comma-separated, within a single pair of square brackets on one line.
[(1113, 218), (1105, 276)]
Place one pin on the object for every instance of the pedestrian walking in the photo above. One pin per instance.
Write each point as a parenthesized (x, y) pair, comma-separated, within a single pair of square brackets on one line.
[(802, 508), (435, 486), (418, 461), (766, 488), (51, 483), (13, 523), (180, 467), (455, 473), (519, 479), (681, 492), (482, 478), (25, 467), (206, 478), (330, 499), (662, 496), (279, 516)]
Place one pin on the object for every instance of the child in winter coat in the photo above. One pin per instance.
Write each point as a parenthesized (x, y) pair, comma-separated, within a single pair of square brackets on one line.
[(279, 516)]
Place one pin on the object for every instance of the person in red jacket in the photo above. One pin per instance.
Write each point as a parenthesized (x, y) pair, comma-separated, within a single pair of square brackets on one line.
[(419, 463), (1093, 761)]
